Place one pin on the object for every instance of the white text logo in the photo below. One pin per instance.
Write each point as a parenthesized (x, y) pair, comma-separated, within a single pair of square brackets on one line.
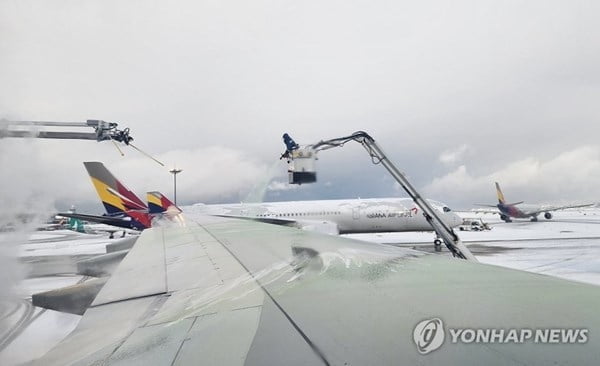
[(429, 335)]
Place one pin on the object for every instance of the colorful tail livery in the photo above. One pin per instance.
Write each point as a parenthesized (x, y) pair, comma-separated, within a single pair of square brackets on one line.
[(123, 207), (499, 193), (159, 204), (115, 196), (501, 200)]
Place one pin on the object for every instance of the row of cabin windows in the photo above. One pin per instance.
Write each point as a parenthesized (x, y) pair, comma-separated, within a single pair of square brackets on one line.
[(296, 214)]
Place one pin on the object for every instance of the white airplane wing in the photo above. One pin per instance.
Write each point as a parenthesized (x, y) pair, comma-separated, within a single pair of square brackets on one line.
[(237, 292), (548, 208), (486, 210), (319, 226)]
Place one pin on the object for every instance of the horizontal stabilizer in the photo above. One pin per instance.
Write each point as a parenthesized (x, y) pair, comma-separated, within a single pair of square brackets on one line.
[(123, 222), (514, 204)]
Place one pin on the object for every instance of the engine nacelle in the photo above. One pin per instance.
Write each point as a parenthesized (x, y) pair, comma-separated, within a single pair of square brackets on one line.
[(547, 215), (503, 217)]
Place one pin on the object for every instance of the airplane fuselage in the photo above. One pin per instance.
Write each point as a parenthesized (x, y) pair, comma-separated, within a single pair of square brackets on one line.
[(348, 216), (526, 211), (519, 212)]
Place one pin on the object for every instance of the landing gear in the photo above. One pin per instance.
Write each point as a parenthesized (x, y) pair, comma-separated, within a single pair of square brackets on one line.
[(437, 245), (534, 219), (505, 218)]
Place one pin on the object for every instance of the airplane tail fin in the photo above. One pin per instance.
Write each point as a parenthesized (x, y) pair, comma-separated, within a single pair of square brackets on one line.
[(500, 194), (115, 196), (159, 203)]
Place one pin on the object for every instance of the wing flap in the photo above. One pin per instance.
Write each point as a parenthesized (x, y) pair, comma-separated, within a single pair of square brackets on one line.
[(99, 333), (160, 344), (221, 338)]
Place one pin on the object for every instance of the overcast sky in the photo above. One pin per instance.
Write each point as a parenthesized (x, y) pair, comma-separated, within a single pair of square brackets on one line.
[(459, 93)]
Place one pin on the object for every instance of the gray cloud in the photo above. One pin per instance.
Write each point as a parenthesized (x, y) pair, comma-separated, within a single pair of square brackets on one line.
[(511, 80), (564, 177)]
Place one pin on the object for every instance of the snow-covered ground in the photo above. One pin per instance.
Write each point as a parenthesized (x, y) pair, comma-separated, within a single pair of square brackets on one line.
[(567, 246), (63, 242), (32, 332), (47, 261)]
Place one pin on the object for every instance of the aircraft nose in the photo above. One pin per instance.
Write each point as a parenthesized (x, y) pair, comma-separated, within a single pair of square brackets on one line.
[(458, 220), (454, 219), (450, 217)]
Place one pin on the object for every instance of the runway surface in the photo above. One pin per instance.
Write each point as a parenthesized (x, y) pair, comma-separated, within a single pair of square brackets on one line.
[(568, 246)]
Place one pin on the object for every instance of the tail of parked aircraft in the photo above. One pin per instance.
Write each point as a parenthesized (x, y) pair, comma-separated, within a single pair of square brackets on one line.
[(115, 196), (500, 194), (159, 203), (501, 199)]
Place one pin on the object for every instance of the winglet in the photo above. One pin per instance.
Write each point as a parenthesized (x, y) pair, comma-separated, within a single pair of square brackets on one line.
[(115, 196), (158, 204)]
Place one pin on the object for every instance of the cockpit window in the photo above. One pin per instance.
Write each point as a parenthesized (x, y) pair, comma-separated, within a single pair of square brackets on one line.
[(447, 209)]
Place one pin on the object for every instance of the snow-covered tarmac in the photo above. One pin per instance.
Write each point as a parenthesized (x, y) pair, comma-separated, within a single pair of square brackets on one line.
[(568, 246), (47, 262)]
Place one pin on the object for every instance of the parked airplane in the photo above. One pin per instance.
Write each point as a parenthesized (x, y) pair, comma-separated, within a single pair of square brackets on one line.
[(372, 215), (326, 216), (123, 208), (522, 211)]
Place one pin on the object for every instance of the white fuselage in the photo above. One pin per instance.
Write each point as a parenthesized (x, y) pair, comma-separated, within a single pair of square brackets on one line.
[(337, 216)]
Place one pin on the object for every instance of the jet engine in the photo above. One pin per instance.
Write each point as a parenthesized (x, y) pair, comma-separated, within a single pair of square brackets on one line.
[(548, 215)]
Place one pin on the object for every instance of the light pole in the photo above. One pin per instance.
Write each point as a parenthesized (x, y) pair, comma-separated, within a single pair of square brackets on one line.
[(175, 171)]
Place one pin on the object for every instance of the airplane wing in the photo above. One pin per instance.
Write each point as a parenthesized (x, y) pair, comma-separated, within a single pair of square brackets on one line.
[(124, 222), (486, 210), (319, 226), (548, 208), (222, 291)]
